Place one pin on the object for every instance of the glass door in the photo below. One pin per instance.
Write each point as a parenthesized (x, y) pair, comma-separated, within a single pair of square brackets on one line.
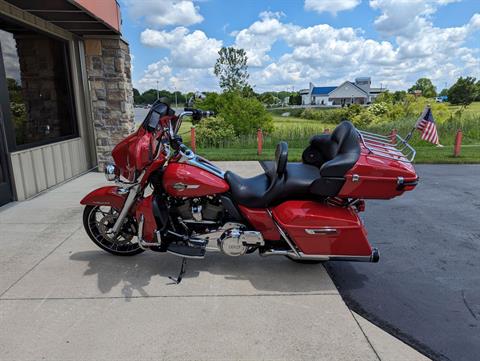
[(5, 186), (6, 194)]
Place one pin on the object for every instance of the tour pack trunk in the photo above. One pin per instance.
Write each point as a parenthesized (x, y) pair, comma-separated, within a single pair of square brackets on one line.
[(383, 170)]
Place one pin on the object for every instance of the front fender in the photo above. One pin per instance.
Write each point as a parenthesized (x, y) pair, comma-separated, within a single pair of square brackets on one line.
[(105, 196)]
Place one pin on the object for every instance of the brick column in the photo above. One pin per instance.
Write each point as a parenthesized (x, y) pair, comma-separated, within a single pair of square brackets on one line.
[(111, 93)]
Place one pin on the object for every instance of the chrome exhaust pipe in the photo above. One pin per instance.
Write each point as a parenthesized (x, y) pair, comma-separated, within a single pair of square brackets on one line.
[(374, 257)]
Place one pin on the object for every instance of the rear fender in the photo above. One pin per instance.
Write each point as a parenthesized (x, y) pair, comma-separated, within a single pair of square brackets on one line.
[(105, 196)]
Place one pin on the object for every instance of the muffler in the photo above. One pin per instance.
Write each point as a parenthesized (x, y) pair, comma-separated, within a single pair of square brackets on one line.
[(374, 256)]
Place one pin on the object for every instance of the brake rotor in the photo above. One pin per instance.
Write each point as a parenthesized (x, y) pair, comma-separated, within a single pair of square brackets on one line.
[(106, 224)]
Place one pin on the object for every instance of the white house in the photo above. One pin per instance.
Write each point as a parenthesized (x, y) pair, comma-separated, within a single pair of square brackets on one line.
[(358, 92)]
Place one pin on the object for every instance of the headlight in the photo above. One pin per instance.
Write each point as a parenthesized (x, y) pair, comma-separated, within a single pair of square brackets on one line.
[(111, 172)]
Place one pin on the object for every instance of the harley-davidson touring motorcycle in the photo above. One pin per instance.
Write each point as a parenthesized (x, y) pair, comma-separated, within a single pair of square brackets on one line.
[(166, 198)]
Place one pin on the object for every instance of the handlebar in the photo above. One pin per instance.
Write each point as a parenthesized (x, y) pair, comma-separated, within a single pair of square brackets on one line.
[(196, 114)]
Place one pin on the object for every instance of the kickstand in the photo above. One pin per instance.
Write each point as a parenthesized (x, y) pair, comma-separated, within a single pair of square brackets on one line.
[(177, 280)]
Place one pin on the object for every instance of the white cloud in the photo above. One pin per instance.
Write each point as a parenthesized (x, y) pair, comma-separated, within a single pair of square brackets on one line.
[(331, 6), (160, 13), (258, 38), (185, 80), (10, 56), (405, 17), (187, 50), (322, 53)]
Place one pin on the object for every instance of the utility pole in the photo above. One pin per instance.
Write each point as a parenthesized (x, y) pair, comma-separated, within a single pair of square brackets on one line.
[(157, 91)]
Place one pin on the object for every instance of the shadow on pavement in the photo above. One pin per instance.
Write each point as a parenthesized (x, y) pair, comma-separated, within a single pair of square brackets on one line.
[(265, 275)]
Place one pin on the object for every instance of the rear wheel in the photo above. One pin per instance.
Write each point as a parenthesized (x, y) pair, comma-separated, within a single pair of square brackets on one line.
[(98, 222)]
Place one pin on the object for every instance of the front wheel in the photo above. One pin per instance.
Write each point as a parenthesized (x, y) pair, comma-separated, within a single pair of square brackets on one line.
[(98, 221)]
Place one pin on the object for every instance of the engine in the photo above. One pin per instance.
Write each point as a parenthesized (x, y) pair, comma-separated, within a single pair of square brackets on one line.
[(205, 210), (206, 219)]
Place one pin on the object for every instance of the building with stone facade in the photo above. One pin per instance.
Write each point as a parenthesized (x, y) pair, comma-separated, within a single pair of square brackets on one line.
[(65, 91)]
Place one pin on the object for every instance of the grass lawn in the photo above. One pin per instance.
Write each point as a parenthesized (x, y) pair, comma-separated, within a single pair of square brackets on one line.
[(296, 131), (426, 154)]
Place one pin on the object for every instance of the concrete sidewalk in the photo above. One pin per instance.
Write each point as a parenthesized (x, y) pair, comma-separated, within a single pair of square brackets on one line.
[(62, 298)]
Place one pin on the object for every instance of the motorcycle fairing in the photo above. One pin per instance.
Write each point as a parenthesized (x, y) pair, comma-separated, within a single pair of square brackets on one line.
[(105, 196)]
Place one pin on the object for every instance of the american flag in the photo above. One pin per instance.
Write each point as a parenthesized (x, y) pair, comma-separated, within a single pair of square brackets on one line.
[(426, 125)]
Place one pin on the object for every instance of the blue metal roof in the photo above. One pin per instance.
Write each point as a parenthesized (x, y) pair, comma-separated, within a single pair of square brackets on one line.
[(323, 90)]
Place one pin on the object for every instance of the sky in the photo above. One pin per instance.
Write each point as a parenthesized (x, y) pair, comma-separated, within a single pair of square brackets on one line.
[(290, 43)]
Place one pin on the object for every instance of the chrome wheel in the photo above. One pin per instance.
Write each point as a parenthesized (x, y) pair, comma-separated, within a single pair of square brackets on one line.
[(98, 222)]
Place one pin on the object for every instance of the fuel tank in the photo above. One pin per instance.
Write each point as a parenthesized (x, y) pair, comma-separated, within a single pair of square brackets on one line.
[(184, 180)]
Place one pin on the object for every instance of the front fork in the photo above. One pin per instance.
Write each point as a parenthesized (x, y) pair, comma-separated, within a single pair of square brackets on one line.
[(132, 196)]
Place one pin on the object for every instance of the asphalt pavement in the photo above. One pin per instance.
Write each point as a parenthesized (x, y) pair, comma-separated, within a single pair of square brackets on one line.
[(426, 288)]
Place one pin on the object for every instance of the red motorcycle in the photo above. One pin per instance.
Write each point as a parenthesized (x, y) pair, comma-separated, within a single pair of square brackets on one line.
[(306, 211)]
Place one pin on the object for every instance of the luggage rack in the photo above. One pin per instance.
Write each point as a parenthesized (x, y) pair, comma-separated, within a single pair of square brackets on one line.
[(388, 147)]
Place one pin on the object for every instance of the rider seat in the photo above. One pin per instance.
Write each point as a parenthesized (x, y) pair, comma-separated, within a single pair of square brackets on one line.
[(283, 181)]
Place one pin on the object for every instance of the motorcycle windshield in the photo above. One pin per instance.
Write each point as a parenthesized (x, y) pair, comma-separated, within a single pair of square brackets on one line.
[(153, 117)]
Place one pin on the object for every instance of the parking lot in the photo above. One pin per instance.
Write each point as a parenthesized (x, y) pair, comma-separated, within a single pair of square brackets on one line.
[(426, 287)]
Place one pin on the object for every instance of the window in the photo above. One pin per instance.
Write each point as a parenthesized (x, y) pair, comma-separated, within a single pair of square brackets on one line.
[(39, 96)]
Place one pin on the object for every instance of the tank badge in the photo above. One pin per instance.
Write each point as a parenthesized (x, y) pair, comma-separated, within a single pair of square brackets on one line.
[(183, 186)]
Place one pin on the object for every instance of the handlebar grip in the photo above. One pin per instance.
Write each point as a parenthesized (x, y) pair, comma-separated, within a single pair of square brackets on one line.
[(208, 113)]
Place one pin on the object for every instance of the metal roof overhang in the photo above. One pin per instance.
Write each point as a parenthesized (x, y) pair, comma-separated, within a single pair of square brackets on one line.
[(81, 17)]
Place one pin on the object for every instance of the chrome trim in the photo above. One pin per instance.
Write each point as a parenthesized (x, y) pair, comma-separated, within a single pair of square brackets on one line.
[(202, 163), (283, 234), (374, 256), (355, 178), (383, 146), (321, 231), (140, 231), (111, 172), (132, 195), (182, 186)]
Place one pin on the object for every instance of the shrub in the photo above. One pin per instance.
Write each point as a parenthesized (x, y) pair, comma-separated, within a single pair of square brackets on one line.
[(213, 132), (245, 115)]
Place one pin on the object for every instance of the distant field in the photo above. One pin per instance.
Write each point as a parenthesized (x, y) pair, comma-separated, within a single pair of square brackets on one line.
[(297, 131)]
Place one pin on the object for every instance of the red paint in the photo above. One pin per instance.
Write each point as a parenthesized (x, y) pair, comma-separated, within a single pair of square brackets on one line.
[(193, 140), (145, 208), (458, 143), (157, 163), (378, 177), (208, 183), (296, 216), (259, 141), (134, 152), (261, 221), (108, 11), (105, 196)]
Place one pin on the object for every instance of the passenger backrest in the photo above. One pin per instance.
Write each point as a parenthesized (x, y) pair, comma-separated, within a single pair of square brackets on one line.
[(345, 140)]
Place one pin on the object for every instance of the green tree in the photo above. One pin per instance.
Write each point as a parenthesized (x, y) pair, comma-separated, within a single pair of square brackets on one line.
[(245, 115), (463, 92), (137, 98), (425, 86), (444, 92), (248, 92), (231, 69), (295, 99)]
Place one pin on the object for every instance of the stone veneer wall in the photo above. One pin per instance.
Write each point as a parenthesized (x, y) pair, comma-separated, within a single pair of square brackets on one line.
[(111, 93)]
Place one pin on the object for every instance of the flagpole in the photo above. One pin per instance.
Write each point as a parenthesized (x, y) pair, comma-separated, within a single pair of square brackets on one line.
[(410, 134)]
